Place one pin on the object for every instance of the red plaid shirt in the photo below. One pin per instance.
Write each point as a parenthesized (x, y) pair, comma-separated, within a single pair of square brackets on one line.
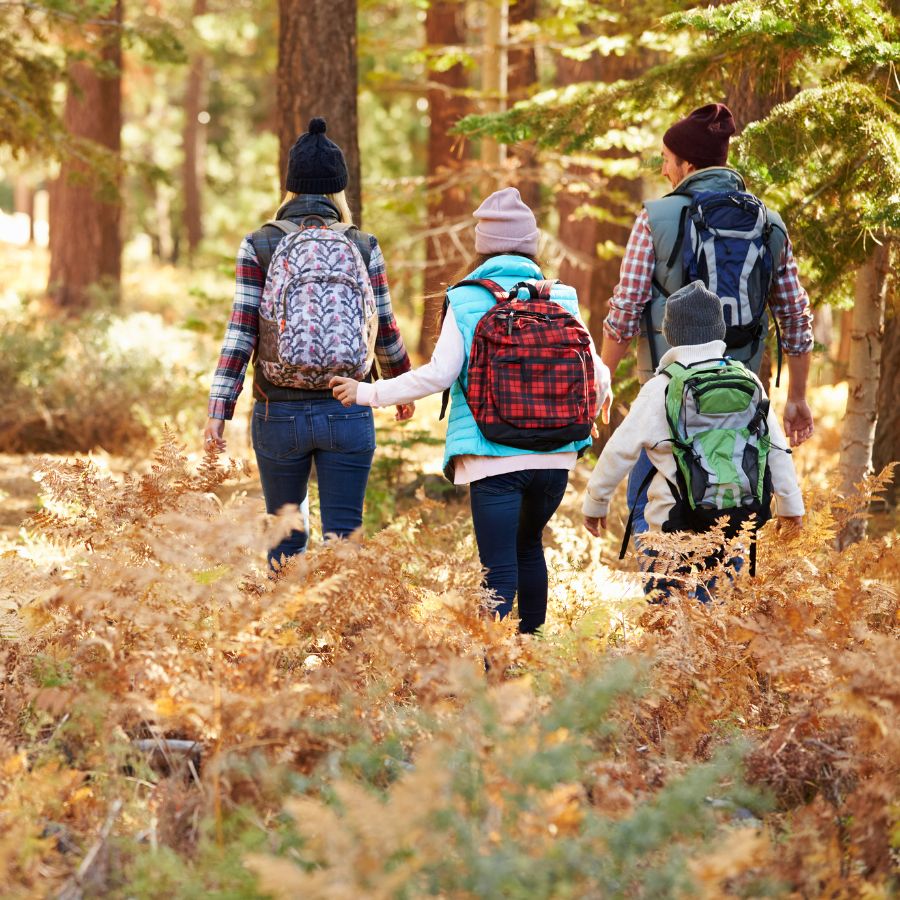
[(243, 329), (788, 301)]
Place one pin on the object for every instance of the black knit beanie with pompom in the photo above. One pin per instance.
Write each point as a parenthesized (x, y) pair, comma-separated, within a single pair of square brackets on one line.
[(316, 165)]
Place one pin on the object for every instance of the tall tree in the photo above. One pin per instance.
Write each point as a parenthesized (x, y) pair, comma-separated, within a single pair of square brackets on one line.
[(317, 76), (863, 372), (592, 275), (448, 197), (85, 208), (494, 79), (193, 138), (887, 430), (522, 79)]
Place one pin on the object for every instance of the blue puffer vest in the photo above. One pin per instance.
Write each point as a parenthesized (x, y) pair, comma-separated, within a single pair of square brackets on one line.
[(469, 304)]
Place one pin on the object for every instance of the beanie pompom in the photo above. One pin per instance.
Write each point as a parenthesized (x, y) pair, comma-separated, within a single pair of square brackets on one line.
[(316, 125)]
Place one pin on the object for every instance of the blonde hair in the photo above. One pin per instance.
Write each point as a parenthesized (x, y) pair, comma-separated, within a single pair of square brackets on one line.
[(339, 200)]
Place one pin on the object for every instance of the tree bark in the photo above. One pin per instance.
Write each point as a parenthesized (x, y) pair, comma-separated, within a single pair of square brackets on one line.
[(594, 277), (494, 80), (317, 76), (85, 209), (23, 202), (862, 380), (523, 76), (194, 143), (887, 429), (447, 203)]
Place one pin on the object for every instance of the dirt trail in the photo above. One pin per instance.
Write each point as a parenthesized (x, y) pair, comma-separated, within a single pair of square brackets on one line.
[(18, 492)]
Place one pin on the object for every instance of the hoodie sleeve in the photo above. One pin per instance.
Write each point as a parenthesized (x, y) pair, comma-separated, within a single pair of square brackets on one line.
[(788, 499)]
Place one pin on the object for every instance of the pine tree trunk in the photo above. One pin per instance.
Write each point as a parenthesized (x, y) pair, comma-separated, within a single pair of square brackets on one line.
[(594, 278), (887, 428), (523, 76), (23, 202), (447, 203), (494, 81), (85, 238), (317, 76), (862, 380), (194, 143)]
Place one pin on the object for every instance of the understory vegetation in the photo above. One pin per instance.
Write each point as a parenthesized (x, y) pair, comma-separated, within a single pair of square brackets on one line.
[(175, 722)]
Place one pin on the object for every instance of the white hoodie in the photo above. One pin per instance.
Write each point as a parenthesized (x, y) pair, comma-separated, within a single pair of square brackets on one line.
[(645, 428)]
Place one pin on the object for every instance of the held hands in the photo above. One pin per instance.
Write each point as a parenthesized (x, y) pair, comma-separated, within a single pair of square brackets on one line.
[(347, 389), (213, 435), (344, 389), (595, 524), (798, 421)]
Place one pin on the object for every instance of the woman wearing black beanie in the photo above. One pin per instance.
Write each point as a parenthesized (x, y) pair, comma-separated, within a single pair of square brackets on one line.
[(311, 301)]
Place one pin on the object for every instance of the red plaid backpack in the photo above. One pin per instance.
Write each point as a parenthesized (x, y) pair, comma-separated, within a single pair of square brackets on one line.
[(531, 373)]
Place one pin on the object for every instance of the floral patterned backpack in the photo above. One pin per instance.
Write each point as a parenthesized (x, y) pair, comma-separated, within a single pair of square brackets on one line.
[(317, 316)]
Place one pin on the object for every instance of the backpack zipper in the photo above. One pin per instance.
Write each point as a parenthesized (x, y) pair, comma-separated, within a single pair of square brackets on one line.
[(740, 385)]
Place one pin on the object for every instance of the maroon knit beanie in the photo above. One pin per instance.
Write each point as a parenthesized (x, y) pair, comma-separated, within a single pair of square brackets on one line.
[(702, 137)]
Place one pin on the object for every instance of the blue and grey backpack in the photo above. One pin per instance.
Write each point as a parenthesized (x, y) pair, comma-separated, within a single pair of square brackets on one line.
[(724, 240)]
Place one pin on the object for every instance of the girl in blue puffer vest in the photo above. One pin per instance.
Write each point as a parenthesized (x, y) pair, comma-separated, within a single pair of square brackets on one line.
[(513, 492)]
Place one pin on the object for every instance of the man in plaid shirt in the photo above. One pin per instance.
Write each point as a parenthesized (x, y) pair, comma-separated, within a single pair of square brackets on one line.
[(695, 152)]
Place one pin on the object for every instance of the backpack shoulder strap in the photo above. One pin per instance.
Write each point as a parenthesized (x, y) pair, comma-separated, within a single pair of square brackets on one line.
[(629, 525), (360, 238), (501, 295), (545, 287), (679, 238), (263, 242)]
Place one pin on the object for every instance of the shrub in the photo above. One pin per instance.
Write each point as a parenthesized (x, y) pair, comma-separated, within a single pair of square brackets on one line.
[(100, 381), (353, 744)]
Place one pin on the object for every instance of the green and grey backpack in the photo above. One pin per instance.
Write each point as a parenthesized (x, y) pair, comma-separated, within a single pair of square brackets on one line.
[(717, 413)]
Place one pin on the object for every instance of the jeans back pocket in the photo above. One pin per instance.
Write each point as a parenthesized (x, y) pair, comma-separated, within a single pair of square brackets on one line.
[(275, 436), (352, 432)]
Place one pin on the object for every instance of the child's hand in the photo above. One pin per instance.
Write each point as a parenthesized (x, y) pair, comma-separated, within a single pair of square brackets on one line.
[(344, 389), (405, 411), (790, 523), (595, 524)]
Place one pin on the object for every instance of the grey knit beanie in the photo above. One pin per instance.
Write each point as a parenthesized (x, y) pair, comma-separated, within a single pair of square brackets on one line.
[(693, 316)]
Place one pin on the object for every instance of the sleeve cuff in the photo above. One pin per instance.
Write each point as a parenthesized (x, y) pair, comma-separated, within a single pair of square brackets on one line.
[(791, 506), (596, 509), (219, 409), (365, 394), (610, 331)]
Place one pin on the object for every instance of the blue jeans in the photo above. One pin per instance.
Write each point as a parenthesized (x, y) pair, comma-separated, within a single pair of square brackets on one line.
[(638, 502), (509, 513), (340, 440)]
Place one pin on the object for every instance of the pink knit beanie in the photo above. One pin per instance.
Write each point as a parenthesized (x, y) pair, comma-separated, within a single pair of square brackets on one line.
[(506, 225)]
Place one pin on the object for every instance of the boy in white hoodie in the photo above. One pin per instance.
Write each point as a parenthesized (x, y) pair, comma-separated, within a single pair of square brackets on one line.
[(694, 327)]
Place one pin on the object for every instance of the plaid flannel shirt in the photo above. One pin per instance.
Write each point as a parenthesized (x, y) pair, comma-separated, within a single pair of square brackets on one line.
[(788, 301), (242, 332)]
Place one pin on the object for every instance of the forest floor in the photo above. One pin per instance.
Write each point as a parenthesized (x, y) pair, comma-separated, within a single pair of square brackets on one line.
[(344, 737)]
